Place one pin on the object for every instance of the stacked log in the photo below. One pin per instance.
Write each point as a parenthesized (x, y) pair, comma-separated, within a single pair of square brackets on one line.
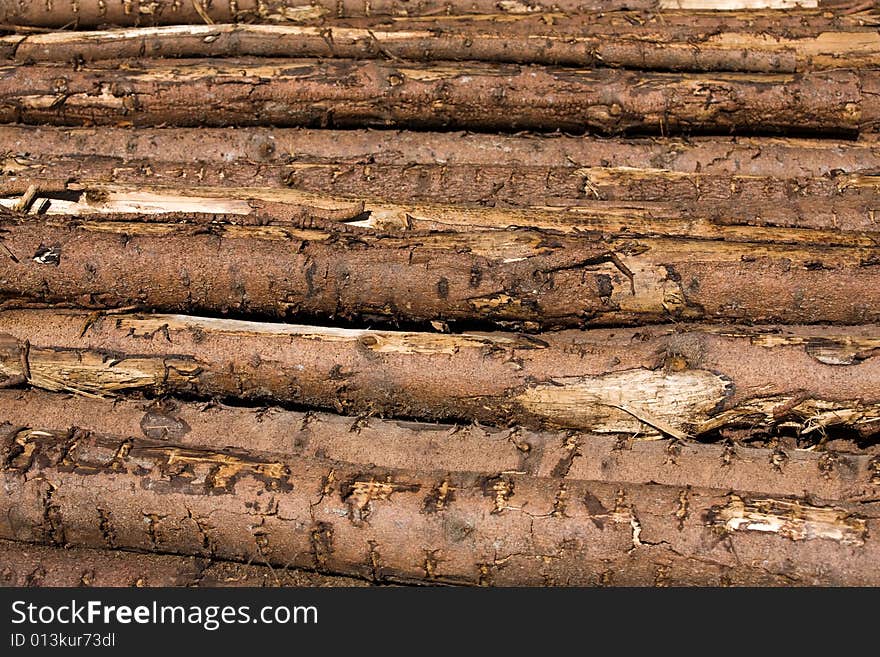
[(288, 298)]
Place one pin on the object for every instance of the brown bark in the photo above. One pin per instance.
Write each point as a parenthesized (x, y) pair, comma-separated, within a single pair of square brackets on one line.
[(413, 183), (833, 200), (479, 96), (94, 12), (839, 470), (742, 156), (674, 380), (759, 42), (539, 278), (82, 489), (24, 564), (685, 212), (91, 12)]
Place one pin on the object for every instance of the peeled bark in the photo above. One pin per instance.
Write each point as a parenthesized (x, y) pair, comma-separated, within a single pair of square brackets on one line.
[(23, 564), (239, 181), (740, 156), (678, 381), (346, 93), (532, 277), (759, 43), (87, 13), (190, 205), (839, 470), (92, 12), (831, 199), (686, 212), (82, 489)]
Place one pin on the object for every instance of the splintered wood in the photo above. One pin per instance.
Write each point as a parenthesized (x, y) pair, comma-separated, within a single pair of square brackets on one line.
[(473, 293)]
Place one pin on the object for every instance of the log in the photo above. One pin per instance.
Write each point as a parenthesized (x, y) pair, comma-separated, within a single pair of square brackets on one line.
[(757, 43), (838, 470), (677, 381), (498, 199), (824, 184), (90, 13), (28, 565), (834, 196), (533, 278), (844, 218), (88, 490), (769, 157), (245, 184), (685, 212), (479, 96)]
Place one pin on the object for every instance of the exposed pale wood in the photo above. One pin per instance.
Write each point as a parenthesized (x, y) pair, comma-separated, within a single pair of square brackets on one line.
[(829, 222), (347, 93), (740, 156), (677, 41), (775, 465), (737, 5), (677, 382), (525, 275), (137, 12), (638, 200), (77, 488)]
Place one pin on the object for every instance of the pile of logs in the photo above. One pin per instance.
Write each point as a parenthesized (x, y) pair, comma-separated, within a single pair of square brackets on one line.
[(485, 292)]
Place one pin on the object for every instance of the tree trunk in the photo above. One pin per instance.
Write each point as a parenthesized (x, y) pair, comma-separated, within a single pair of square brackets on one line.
[(26, 564), (88, 13), (739, 156), (756, 43), (478, 96), (81, 489), (530, 277), (831, 200), (674, 380), (838, 470), (687, 211), (164, 12)]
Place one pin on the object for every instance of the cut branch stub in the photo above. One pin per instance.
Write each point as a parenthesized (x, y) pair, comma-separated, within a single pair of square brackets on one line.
[(762, 466), (641, 201), (169, 12), (781, 158), (479, 96), (393, 525), (673, 380), (758, 42), (532, 277)]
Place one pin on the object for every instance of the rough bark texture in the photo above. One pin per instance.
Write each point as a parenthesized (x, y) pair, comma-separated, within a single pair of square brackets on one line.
[(784, 466), (742, 156), (736, 443), (82, 489), (24, 564), (676, 381), (759, 42), (685, 212), (833, 199), (93, 12), (545, 279), (346, 93), (122, 12)]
